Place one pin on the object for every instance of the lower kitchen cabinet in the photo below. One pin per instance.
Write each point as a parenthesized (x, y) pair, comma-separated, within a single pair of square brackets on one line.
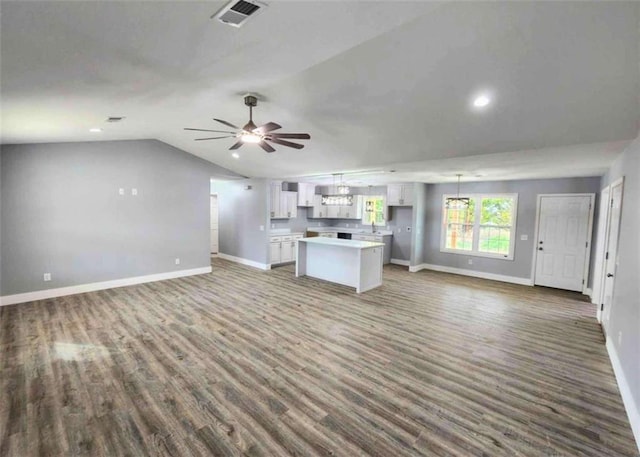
[(282, 248)]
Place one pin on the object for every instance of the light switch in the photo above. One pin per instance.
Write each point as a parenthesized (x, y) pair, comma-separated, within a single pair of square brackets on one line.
[(47, 276), (134, 191), (121, 191), (524, 237), (177, 261), (262, 228)]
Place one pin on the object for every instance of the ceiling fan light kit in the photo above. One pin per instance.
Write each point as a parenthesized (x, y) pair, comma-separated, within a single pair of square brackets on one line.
[(253, 134)]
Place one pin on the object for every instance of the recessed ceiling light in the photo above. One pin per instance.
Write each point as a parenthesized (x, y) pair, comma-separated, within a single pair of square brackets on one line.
[(235, 155), (481, 101), (95, 130)]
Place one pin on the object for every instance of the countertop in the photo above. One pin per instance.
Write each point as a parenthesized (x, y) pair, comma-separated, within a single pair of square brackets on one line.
[(351, 244), (355, 231)]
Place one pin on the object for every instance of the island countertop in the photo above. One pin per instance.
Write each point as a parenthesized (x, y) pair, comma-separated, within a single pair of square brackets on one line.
[(353, 244)]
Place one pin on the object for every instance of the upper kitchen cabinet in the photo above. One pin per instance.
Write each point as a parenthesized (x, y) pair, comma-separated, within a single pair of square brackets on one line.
[(306, 194), (290, 202), (319, 210), (400, 195), (284, 204)]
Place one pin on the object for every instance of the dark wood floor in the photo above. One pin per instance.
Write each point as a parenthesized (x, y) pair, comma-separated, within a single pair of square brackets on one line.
[(244, 362)]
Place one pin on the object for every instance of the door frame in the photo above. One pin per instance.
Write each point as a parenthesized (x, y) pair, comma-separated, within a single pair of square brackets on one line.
[(587, 259), (605, 247), (214, 194), (601, 249)]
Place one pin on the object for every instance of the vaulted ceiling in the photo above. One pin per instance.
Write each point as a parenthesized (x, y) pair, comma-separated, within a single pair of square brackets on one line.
[(378, 85)]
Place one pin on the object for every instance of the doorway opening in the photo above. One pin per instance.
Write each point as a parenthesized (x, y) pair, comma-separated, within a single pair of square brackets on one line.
[(607, 255), (213, 215)]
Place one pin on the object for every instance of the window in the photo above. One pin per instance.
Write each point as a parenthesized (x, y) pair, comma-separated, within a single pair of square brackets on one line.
[(373, 210), (485, 228)]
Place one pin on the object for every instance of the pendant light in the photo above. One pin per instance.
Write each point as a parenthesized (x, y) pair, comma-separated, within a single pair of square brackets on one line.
[(340, 195), (457, 201)]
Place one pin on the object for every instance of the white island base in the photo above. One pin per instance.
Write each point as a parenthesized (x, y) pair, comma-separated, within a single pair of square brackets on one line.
[(348, 262)]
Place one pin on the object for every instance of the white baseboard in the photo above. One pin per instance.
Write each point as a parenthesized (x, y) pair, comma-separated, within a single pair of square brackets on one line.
[(588, 292), (91, 287), (473, 273), (633, 410), (251, 263), (404, 263)]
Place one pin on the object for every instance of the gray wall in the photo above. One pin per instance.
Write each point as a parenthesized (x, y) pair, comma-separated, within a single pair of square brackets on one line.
[(625, 311), (420, 221), (527, 191), (241, 214), (62, 213)]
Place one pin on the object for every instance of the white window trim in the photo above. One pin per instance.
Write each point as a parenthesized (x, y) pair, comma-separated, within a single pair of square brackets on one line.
[(476, 227)]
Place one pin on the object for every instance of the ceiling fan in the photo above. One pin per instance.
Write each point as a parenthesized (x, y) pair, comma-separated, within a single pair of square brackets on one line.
[(251, 133)]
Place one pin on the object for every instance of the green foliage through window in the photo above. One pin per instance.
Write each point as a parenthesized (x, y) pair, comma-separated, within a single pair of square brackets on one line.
[(485, 226)]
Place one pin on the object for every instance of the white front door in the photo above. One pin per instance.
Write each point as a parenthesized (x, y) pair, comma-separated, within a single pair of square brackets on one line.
[(563, 232), (213, 212), (611, 256)]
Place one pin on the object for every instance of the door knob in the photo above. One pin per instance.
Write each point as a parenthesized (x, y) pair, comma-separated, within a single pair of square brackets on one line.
[(609, 275)]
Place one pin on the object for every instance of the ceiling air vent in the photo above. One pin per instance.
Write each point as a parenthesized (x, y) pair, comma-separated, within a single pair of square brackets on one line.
[(238, 12)]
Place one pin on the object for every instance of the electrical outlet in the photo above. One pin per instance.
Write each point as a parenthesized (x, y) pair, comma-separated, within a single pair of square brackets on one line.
[(273, 226), (399, 230), (262, 227), (47, 276), (121, 191), (134, 191), (177, 261), (470, 261), (347, 225)]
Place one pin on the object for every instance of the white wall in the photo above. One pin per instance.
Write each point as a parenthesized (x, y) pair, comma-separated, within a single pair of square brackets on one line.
[(625, 311)]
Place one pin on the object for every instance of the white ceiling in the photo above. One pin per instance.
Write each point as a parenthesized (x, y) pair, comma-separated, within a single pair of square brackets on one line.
[(378, 85)]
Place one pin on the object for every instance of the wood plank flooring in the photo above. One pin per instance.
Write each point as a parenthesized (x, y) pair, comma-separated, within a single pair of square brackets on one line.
[(242, 362)]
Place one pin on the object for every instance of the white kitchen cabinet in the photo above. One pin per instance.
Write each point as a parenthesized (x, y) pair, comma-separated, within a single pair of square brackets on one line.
[(289, 203), (306, 194), (275, 193), (333, 211), (284, 204), (287, 250), (352, 211), (282, 248), (400, 195), (319, 210), (274, 252)]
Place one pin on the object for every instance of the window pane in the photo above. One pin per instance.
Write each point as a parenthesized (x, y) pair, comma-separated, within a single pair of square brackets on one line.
[(495, 240), (496, 211), (459, 236), (461, 214)]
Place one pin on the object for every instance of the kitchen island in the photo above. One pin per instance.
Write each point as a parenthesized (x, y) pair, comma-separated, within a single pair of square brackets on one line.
[(348, 262)]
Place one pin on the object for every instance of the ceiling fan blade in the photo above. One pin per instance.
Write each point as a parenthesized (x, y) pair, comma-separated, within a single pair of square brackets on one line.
[(228, 124), (293, 136), (267, 147), (268, 127), (215, 138), (286, 143), (205, 130), (237, 145)]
